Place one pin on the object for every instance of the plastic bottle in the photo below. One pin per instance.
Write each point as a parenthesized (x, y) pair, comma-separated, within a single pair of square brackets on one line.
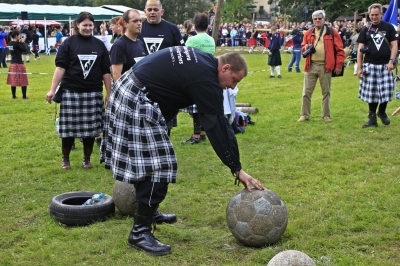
[(397, 95), (96, 199), (57, 123)]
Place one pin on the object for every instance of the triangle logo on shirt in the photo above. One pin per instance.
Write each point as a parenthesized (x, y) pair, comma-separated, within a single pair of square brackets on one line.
[(378, 40), (87, 62), (153, 44)]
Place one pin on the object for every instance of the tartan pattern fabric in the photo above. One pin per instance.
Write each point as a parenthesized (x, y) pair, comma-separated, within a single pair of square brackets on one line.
[(17, 76), (135, 142), (191, 109), (81, 114), (377, 84)]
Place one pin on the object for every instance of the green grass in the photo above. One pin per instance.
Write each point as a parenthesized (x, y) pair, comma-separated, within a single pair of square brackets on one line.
[(339, 182)]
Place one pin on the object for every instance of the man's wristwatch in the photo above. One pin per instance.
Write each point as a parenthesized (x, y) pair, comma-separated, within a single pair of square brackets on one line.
[(394, 60)]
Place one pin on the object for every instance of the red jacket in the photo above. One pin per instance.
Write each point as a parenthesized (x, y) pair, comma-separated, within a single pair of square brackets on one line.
[(330, 42)]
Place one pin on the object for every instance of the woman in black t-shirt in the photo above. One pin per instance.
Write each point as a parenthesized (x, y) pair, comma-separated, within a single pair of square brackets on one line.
[(82, 66), (17, 72)]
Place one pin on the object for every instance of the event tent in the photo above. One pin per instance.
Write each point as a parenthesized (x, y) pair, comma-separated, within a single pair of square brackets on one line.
[(39, 22), (54, 12)]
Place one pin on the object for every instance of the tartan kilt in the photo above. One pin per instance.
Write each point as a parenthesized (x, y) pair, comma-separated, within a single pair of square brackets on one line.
[(135, 143), (81, 114), (17, 80), (252, 41), (376, 85), (35, 48), (275, 58), (191, 109)]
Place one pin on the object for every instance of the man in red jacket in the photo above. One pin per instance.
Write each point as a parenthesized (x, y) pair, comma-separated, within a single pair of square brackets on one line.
[(323, 49)]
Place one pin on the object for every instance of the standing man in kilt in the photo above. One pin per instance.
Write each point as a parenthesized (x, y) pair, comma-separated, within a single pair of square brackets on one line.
[(82, 65), (136, 146), (158, 34), (17, 72), (274, 53), (378, 44)]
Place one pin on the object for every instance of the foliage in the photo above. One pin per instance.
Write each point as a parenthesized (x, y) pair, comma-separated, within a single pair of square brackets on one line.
[(333, 9), (339, 181)]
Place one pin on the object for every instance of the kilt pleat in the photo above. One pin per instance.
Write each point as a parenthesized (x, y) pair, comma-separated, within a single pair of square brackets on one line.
[(81, 114), (377, 84), (135, 142), (17, 76), (275, 58)]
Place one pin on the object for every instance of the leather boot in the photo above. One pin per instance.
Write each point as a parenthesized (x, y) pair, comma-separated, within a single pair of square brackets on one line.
[(65, 163), (372, 121), (141, 237), (384, 118), (86, 158), (161, 218)]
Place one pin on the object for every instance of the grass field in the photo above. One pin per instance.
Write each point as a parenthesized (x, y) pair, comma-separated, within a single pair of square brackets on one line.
[(339, 182)]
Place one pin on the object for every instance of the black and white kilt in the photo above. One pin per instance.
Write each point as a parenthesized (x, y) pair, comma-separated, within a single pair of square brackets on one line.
[(275, 58), (135, 144), (377, 84), (191, 109), (81, 114)]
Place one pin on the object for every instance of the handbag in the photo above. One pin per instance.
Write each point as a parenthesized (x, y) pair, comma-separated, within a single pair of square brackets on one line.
[(58, 95), (340, 74)]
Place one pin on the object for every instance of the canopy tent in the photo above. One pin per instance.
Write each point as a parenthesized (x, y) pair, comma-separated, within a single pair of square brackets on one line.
[(121, 9), (57, 13), (39, 22)]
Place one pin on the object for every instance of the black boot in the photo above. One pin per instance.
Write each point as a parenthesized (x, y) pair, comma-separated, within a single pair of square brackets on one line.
[(384, 118), (141, 237), (86, 158), (372, 121), (65, 163), (161, 218)]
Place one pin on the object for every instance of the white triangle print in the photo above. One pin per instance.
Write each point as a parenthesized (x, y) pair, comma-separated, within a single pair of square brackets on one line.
[(87, 62), (153, 44)]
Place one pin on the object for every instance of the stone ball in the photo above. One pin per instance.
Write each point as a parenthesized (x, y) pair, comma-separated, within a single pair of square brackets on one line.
[(124, 197), (291, 258)]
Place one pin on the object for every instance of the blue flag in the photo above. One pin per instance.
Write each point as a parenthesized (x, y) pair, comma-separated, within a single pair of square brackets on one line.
[(391, 14)]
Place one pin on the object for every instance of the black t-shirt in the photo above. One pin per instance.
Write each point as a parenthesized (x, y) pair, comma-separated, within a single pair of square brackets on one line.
[(179, 76), (85, 60), (16, 50), (173, 90), (374, 38), (127, 52), (35, 39), (160, 36)]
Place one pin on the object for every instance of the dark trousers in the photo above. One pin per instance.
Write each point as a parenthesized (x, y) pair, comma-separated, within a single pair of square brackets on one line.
[(150, 193)]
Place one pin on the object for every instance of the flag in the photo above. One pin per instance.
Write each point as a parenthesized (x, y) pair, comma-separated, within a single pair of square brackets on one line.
[(48, 49), (391, 14)]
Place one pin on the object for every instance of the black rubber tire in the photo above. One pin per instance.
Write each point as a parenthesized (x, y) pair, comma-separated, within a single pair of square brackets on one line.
[(67, 208)]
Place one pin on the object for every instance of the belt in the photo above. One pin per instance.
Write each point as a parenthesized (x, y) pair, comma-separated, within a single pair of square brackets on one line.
[(138, 86)]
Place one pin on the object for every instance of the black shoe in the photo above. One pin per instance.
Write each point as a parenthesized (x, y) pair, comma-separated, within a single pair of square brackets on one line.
[(371, 122), (279, 76), (161, 218), (142, 239), (271, 77), (192, 140), (384, 118)]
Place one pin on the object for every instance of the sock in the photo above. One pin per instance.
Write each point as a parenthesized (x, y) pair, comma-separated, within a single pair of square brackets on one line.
[(27, 58), (272, 71), (382, 108), (23, 89), (13, 91), (355, 68), (278, 70)]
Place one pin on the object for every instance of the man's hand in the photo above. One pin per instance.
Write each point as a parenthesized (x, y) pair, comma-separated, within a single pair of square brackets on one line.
[(249, 182)]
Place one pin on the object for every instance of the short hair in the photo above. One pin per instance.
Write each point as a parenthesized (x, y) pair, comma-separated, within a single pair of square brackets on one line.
[(154, 1), (237, 62), (200, 21), (125, 16), (318, 12), (375, 5), (14, 33)]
